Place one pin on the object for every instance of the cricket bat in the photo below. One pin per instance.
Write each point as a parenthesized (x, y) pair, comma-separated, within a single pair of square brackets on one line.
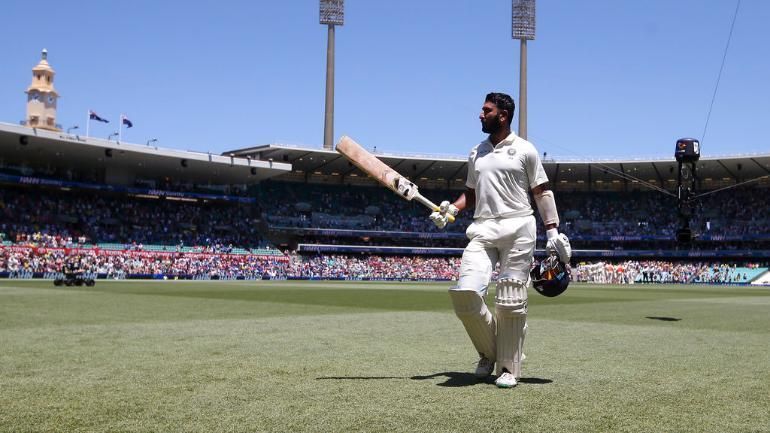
[(388, 177)]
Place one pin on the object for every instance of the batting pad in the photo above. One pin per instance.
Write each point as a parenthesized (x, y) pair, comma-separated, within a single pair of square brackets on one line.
[(511, 311), (477, 319)]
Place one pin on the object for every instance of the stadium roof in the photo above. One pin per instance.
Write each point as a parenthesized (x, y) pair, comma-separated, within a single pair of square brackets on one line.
[(615, 174), (24, 147), (21, 146)]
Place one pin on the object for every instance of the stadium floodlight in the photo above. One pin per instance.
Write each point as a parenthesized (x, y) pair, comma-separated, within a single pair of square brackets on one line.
[(72, 128), (523, 19), (523, 29), (332, 12), (152, 140)]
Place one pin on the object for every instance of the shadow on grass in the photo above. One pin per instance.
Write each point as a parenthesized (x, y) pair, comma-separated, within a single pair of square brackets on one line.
[(359, 377), (664, 319), (454, 379)]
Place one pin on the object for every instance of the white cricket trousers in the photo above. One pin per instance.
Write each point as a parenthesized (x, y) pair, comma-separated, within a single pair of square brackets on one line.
[(509, 241)]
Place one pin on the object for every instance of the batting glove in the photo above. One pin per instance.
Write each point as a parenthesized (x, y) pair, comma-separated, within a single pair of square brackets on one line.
[(558, 245), (440, 219), (448, 208)]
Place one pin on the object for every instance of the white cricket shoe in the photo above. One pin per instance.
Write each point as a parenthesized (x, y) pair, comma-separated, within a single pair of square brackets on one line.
[(484, 368), (506, 380)]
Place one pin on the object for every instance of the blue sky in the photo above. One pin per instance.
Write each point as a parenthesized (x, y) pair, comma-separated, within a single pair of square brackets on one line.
[(607, 78)]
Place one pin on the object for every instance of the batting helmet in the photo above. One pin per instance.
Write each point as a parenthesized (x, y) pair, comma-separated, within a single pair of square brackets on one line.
[(550, 277)]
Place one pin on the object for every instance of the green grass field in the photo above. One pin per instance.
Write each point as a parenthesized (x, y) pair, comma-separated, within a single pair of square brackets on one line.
[(348, 357)]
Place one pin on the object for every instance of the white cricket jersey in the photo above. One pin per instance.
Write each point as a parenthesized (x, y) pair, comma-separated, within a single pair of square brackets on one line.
[(502, 176)]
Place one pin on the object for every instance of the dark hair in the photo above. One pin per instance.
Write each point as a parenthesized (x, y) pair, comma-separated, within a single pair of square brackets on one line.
[(503, 102)]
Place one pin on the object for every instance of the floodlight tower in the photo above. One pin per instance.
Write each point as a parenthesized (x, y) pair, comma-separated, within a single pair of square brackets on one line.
[(332, 14), (523, 29)]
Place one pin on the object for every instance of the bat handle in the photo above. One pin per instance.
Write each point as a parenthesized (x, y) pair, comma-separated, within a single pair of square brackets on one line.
[(432, 206)]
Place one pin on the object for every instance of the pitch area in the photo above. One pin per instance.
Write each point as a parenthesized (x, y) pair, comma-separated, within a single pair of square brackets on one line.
[(351, 356)]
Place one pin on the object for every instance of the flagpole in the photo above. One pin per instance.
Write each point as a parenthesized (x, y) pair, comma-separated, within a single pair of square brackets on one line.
[(120, 128), (88, 122)]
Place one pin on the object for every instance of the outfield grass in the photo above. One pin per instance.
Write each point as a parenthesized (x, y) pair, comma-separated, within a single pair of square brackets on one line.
[(342, 357)]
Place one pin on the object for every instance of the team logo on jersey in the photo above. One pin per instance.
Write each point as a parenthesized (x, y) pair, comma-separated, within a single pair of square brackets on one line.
[(511, 152)]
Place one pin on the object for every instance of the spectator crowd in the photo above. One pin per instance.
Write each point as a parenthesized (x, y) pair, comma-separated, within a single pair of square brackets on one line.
[(26, 262), (658, 271), (43, 228), (730, 213), (736, 212), (21, 262), (374, 267), (61, 219), (53, 218)]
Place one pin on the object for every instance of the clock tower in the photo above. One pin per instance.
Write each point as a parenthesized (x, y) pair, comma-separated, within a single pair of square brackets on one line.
[(41, 96)]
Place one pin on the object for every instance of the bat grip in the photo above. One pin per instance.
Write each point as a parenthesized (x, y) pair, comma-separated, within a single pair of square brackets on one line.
[(432, 206)]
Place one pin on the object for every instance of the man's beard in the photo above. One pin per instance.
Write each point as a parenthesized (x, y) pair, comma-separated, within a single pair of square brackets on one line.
[(492, 126)]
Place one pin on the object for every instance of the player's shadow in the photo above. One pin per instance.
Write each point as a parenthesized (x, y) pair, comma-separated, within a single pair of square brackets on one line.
[(456, 379), (359, 377), (663, 319)]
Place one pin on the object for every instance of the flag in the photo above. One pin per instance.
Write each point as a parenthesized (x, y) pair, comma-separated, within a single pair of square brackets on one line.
[(94, 116), (126, 122)]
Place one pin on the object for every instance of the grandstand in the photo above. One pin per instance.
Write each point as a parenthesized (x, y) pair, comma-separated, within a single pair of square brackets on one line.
[(278, 211)]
